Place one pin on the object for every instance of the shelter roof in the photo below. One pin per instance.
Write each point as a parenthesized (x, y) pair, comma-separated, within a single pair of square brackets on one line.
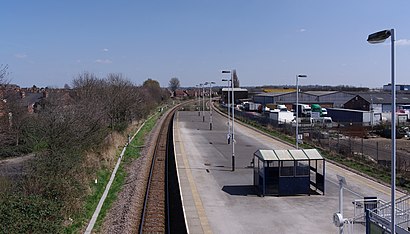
[(298, 154), (288, 155), (313, 154), (283, 155), (266, 155)]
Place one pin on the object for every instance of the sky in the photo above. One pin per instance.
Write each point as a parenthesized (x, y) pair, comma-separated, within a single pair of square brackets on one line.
[(49, 43)]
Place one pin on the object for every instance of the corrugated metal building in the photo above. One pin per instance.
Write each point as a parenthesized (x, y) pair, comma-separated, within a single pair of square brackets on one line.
[(324, 98)]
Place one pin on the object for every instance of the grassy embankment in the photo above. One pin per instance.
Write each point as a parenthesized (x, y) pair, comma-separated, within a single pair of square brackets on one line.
[(103, 176)]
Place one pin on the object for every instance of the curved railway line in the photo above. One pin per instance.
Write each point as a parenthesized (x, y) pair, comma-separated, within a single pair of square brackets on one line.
[(162, 208)]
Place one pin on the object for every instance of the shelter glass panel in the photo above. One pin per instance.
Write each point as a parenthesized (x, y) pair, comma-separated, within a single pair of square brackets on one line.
[(319, 168), (273, 164), (287, 168), (260, 165), (302, 168)]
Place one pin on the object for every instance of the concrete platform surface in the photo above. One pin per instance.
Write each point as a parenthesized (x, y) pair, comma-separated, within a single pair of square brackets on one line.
[(217, 200)]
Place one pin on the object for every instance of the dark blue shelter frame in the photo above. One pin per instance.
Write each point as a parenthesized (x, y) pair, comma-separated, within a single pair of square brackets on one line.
[(289, 172)]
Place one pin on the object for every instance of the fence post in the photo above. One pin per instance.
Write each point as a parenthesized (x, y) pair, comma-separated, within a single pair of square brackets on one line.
[(377, 152), (362, 149), (330, 148), (338, 142)]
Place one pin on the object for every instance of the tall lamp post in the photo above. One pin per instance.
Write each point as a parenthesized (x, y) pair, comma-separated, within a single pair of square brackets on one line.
[(375, 38), (210, 103), (228, 110), (297, 108), (197, 99), (203, 101), (233, 120)]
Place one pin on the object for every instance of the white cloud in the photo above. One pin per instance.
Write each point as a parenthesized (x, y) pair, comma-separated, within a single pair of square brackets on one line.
[(105, 50), (20, 56), (403, 42), (103, 61), (302, 30)]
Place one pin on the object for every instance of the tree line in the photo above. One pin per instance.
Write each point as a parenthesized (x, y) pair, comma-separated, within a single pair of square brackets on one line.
[(64, 127)]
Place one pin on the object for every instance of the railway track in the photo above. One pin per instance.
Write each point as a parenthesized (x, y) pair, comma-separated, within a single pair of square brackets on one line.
[(154, 217)]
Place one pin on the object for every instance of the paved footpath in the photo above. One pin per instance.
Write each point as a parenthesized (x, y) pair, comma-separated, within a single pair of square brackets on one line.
[(217, 200)]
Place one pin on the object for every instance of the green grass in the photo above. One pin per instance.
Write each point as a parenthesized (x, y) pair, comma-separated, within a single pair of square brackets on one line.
[(91, 203), (132, 152)]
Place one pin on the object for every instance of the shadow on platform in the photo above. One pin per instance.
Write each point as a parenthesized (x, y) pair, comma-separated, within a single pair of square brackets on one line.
[(240, 190)]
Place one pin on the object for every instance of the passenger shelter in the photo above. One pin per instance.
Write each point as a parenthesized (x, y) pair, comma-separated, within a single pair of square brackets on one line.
[(289, 172)]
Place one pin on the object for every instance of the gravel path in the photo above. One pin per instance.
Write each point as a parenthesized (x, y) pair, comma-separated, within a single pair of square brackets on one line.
[(14, 167)]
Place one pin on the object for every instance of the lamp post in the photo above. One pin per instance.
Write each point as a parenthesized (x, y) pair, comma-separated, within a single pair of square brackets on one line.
[(375, 38), (228, 110), (233, 120), (210, 100), (197, 99), (297, 108), (203, 102)]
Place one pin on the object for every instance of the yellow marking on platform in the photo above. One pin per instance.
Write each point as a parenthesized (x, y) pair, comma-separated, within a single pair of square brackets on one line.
[(195, 195)]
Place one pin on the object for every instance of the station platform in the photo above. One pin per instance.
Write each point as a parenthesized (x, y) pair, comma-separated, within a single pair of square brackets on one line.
[(218, 200)]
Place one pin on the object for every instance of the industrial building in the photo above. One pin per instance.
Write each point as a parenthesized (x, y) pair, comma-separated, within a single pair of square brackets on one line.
[(324, 98), (239, 94)]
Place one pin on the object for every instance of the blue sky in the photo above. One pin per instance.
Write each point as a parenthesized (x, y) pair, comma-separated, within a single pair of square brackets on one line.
[(48, 43)]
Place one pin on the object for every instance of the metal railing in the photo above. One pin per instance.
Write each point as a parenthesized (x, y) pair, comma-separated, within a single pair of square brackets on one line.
[(380, 214)]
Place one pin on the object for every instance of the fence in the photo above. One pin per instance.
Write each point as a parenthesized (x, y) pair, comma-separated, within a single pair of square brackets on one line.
[(335, 140)]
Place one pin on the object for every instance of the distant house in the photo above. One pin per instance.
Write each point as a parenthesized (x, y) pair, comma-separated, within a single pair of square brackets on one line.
[(179, 93), (31, 101), (191, 92)]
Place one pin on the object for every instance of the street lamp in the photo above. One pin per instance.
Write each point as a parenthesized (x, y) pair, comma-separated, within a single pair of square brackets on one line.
[(203, 101), (228, 110), (375, 38), (233, 120), (210, 102), (297, 108), (197, 99)]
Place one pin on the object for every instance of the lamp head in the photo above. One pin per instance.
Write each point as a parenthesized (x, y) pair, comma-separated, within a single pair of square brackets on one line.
[(302, 76), (225, 71), (379, 37)]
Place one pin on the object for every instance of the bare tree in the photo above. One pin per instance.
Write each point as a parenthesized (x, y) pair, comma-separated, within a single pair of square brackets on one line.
[(18, 115), (3, 74), (235, 79), (174, 84), (122, 100)]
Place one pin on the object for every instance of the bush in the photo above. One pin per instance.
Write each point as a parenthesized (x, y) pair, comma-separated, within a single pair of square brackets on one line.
[(29, 214)]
